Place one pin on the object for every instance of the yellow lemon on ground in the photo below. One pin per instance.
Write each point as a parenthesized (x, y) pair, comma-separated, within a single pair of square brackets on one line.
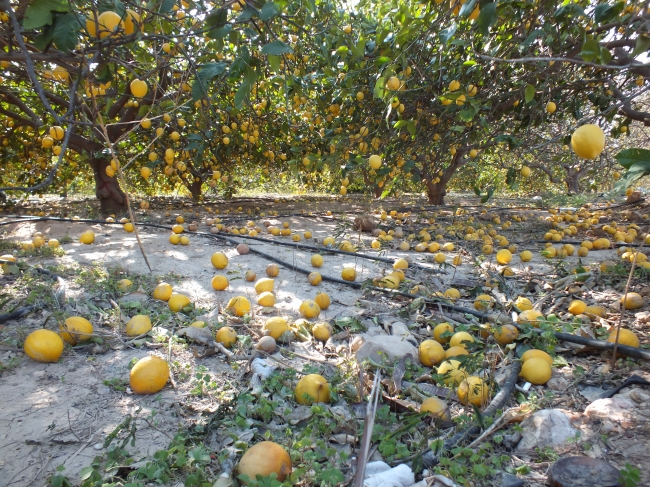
[(577, 307), (43, 346), (309, 309), (219, 260), (177, 302), (625, 337), (473, 391), (322, 300), (436, 407), (530, 317), (349, 274), (536, 371), (431, 353), (452, 293), (149, 375), (439, 330), (534, 353), (138, 325), (239, 306), (322, 331), (506, 334), (264, 459), (266, 284), (504, 256), (632, 301), (312, 388), (163, 291), (275, 327), (219, 283), (227, 336), (452, 373), (400, 264), (87, 237), (594, 312), (266, 299), (314, 278), (316, 260), (456, 351), (588, 141), (76, 329), (124, 285), (526, 256), (460, 338), (523, 304), (483, 301), (272, 270)]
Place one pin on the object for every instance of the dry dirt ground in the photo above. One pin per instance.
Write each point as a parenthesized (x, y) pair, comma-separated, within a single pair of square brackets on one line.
[(60, 414)]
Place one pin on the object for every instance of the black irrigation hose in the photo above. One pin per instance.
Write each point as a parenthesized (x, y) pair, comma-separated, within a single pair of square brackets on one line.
[(571, 242), (430, 458), (19, 313)]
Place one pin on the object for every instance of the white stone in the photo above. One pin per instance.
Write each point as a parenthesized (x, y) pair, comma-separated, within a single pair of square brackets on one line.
[(614, 409), (382, 347), (548, 427)]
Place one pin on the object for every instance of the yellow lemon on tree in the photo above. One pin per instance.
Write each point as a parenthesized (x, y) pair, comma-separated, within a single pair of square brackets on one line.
[(588, 141), (431, 353), (149, 375), (43, 346), (139, 88), (312, 388), (108, 22), (374, 161)]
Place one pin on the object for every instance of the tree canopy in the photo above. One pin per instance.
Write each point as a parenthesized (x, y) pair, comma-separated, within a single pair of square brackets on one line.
[(198, 93)]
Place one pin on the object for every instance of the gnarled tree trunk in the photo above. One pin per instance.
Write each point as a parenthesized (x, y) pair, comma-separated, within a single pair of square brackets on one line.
[(195, 189), (107, 189), (436, 192)]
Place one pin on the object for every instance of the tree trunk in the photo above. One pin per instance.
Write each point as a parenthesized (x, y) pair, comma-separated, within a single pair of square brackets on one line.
[(436, 192), (572, 181), (195, 189), (378, 191), (107, 189)]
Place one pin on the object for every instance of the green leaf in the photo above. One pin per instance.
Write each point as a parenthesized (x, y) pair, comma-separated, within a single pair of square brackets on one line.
[(477, 190), (636, 172), (245, 89), (40, 12), (605, 12), (628, 157), (569, 10), (276, 48), (642, 45), (532, 37), (274, 62), (411, 128), (166, 6), (66, 32), (467, 8), (217, 18), (204, 77), (446, 34), (487, 17), (467, 115), (379, 91), (530, 93), (590, 50), (269, 10)]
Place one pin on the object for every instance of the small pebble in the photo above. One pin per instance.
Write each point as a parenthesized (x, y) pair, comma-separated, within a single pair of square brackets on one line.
[(98, 446)]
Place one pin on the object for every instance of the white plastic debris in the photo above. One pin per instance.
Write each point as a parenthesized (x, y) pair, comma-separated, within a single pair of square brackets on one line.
[(261, 371), (400, 476)]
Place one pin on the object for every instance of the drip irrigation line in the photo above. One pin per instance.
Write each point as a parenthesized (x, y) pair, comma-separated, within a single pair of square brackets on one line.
[(571, 242), (19, 313)]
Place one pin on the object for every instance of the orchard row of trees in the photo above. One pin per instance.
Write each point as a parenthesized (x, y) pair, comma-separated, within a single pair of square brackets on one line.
[(193, 93)]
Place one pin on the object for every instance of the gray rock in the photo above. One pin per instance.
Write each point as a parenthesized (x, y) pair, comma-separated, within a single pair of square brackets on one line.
[(385, 347), (548, 427), (509, 480), (558, 383), (617, 408)]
